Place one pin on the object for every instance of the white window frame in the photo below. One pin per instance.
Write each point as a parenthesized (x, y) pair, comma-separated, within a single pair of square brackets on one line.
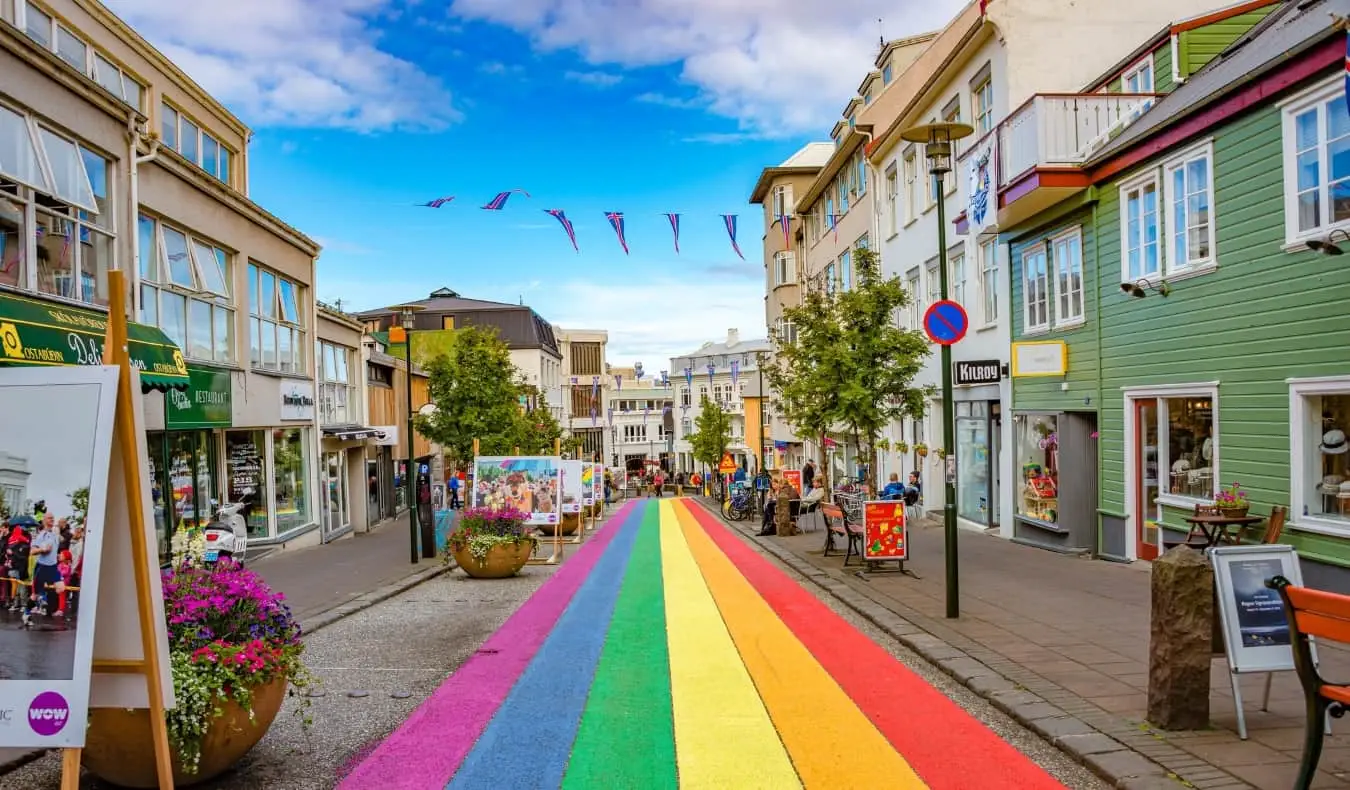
[(892, 196), (1299, 390), (932, 283), (1172, 166), (278, 321), (786, 331), (956, 264), (1317, 98), (911, 160), (224, 175), (914, 284), (782, 201), (1138, 184), (1056, 293), (784, 268), (860, 174), (988, 255), (1028, 327), (845, 271), (954, 116), (829, 274), (982, 105), (92, 54), (1144, 64), (333, 387), (164, 283)]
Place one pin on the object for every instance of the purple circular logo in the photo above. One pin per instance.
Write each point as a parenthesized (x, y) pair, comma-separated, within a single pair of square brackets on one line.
[(48, 713)]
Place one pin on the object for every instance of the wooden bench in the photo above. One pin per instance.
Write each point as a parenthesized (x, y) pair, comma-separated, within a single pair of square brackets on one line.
[(854, 527), (834, 525), (1325, 615)]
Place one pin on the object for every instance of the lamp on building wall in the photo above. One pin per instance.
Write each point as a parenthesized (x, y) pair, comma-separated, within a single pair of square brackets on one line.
[(407, 318), (1328, 246), (1137, 288), (937, 140)]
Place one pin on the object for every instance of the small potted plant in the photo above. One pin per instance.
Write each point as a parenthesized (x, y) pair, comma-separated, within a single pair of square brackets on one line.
[(1232, 501), (941, 453), (921, 449), (902, 448), (491, 543)]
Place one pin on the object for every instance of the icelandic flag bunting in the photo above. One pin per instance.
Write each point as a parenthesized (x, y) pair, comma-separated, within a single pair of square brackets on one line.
[(438, 202), (787, 230), (730, 221), (595, 387), (558, 214), (616, 221), (675, 228), (593, 416), (665, 378), (611, 415), (618, 381), (499, 202), (711, 370), (689, 377), (735, 372)]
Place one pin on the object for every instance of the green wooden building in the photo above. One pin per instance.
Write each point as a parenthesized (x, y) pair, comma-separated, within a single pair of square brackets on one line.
[(1181, 320)]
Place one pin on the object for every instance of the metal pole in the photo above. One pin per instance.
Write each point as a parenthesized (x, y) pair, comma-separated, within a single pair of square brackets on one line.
[(409, 469), (948, 422)]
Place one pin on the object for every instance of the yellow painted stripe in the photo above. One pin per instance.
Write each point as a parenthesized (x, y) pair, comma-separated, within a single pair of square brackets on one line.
[(723, 735), (832, 743)]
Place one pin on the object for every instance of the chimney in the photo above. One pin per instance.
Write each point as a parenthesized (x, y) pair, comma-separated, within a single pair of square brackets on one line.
[(733, 337)]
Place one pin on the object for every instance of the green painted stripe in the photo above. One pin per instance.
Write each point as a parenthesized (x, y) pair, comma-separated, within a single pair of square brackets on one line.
[(627, 734)]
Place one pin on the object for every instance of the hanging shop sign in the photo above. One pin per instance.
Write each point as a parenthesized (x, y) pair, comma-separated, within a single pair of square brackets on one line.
[(885, 532), (979, 371), (297, 400), (206, 403), (1040, 358)]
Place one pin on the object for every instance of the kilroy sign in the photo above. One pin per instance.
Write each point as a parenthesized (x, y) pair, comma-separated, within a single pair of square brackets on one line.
[(979, 371)]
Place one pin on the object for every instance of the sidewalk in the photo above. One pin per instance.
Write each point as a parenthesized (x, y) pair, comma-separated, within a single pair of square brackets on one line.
[(324, 583), (1070, 636)]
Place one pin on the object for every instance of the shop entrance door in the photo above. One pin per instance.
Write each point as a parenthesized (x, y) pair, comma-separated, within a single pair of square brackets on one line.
[(1146, 478)]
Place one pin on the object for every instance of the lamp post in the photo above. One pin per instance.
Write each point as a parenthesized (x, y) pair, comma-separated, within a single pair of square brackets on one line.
[(937, 139), (407, 314)]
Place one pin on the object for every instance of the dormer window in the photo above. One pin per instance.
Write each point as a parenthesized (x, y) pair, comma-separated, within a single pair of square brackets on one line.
[(886, 74)]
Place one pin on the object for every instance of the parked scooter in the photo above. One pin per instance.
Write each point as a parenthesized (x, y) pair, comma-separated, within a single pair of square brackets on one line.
[(226, 535)]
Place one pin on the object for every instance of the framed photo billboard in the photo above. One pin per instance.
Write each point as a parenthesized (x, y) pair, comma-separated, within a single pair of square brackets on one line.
[(527, 483)]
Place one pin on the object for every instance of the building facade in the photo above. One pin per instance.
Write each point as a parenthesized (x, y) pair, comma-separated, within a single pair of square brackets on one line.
[(386, 457), (119, 161), (719, 372), (638, 411), (583, 363), (344, 431)]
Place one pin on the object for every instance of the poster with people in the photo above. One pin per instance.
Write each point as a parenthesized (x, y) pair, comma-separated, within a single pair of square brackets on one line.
[(885, 533), (529, 484), (597, 483), (573, 475), (55, 453), (588, 484)]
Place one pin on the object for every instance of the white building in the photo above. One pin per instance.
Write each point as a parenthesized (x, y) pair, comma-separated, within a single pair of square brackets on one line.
[(14, 483), (639, 416), (718, 372)]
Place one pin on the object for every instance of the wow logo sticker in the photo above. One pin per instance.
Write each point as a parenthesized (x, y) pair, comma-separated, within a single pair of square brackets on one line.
[(48, 713)]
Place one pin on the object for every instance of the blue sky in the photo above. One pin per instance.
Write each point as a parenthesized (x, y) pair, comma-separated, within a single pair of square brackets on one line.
[(363, 108)]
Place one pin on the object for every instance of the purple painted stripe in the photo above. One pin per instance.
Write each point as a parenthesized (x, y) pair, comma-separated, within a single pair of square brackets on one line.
[(429, 747)]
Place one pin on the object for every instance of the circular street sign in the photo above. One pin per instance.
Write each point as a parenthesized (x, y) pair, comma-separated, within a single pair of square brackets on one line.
[(945, 322)]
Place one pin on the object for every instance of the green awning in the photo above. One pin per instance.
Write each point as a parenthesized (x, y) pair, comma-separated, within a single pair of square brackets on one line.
[(35, 332)]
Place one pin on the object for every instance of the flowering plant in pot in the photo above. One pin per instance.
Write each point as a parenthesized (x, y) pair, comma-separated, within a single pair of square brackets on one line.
[(234, 651), (921, 449), (490, 542), (1232, 501)]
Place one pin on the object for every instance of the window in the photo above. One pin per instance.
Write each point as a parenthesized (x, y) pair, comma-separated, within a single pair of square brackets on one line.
[(1036, 437), (1035, 290), (290, 478), (911, 185), (886, 74), (336, 405), (841, 192), (185, 290), (892, 195), (860, 167), (1066, 251), (1139, 78), (958, 277), (915, 304), (1139, 229), (784, 332), (845, 271), (863, 243), (782, 202), (276, 331), (867, 97), (784, 269), (70, 47), (934, 279), (38, 25), (952, 114), (245, 456), (379, 374), (1319, 420), (1316, 165), (685, 394), (634, 433), (830, 281), (989, 280), (1189, 185), (982, 105), (830, 219), (1179, 431), (686, 427), (195, 144)]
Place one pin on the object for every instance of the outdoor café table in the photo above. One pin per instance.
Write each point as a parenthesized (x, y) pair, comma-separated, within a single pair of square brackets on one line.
[(1215, 527)]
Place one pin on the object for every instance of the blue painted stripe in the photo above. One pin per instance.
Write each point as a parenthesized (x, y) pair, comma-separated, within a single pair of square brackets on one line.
[(528, 742)]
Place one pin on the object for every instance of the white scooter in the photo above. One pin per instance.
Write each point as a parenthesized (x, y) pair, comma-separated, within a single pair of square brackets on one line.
[(226, 535)]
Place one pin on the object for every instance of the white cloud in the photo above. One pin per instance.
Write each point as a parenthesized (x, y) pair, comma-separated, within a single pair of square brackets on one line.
[(295, 62), (596, 79), (498, 69), (774, 66)]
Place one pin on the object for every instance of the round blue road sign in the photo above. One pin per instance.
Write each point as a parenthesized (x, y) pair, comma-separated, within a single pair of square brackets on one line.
[(945, 322)]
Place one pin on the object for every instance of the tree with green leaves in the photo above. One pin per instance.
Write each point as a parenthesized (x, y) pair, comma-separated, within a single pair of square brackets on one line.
[(536, 427), (712, 433), (476, 392), (79, 504), (851, 366)]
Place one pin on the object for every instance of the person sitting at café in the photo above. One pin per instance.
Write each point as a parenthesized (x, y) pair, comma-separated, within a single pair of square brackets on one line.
[(894, 489)]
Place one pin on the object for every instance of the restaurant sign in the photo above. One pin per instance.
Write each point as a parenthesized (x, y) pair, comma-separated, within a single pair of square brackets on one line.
[(207, 403), (297, 400)]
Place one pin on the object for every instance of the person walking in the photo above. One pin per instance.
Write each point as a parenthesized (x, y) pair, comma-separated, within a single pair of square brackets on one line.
[(47, 549), (454, 491), (659, 482), (808, 477)]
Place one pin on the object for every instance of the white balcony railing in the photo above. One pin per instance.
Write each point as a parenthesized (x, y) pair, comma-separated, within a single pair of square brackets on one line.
[(1063, 129)]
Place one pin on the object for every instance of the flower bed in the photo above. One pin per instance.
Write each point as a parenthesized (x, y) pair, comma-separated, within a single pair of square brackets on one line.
[(485, 534)]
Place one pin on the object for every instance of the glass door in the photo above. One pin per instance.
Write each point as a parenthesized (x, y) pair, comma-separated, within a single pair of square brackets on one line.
[(1146, 478)]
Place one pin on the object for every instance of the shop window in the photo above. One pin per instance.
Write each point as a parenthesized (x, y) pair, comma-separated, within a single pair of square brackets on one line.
[(1320, 464), (290, 478), (335, 513), (184, 290), (245, 454), (1186, 440), (183, 487), (276, 331), (1036, 438)]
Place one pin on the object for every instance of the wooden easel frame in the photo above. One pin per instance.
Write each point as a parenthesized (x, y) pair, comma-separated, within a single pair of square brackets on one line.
[(148, 666), (557, 555)]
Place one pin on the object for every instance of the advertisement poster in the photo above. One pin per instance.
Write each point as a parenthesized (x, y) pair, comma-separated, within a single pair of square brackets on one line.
[(587, 484), (1260, 614), (794, 476), (528, 484), (55, 454), (885, 534), (598, 482), (573, 480)]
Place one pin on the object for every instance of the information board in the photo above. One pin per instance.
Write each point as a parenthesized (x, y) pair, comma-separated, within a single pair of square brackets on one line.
[(1255, 630), (572, 479)]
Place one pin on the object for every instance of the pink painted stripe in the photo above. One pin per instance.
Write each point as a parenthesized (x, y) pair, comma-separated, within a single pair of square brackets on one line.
[(428, 748)]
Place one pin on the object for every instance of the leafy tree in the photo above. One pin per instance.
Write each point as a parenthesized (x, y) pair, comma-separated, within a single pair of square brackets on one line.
[(536, 427), (79, 504), (476, 392), (712, 433)]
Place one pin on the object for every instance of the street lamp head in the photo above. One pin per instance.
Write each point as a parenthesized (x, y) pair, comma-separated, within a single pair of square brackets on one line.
[(937, 140), (406, 313)]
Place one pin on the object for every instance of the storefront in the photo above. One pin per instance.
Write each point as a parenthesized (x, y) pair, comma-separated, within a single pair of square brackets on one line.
[(342, 480), (1055, 460), (979, 420), (185, 461)]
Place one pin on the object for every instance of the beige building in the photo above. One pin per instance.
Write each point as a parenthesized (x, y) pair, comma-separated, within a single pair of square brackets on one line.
[(115, 159), (343, 423), (582, 392)]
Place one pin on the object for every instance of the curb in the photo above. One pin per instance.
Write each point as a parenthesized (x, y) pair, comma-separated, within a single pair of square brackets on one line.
[(1124, 767)]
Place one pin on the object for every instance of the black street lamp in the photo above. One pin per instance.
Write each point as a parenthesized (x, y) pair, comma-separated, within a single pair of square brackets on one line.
[(407, 313), (937, 140)]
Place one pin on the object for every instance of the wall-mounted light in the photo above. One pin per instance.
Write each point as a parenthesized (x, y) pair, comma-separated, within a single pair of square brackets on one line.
[(1328, 246), (1137, 288)]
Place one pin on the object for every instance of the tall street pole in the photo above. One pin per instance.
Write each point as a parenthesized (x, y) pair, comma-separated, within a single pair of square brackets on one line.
[(407, 312), (937, 139)]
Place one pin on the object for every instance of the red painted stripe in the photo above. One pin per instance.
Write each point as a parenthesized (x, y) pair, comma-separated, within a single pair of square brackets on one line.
[(949, 748)]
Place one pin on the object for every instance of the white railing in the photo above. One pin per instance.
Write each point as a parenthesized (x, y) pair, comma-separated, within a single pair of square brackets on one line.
[(1063, 129)]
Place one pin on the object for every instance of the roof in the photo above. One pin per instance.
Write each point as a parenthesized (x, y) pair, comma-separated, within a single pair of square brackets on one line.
[(443, 300), (1287, 32), (517, 324), (838, 158), (715, 349), (808, 159), (897, 43)]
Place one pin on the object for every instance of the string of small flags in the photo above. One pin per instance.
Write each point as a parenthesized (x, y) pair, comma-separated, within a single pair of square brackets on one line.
[(614, 218)]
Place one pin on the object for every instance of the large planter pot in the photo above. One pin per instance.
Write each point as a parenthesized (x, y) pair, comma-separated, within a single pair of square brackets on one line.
[(118, 747), (571, 522), (597, 510), (504, 560)]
